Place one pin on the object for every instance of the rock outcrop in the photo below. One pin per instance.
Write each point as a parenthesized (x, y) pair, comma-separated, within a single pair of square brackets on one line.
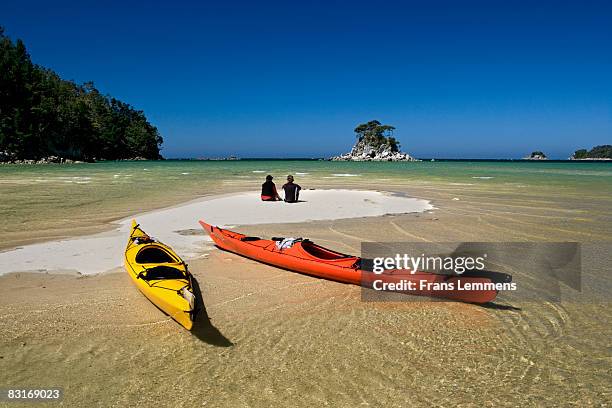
[(10, 158), (363, 151), (537, 155), (6, 157)]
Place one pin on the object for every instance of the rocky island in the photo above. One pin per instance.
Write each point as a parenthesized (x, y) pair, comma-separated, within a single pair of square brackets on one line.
[(537, 155), (375, 142)]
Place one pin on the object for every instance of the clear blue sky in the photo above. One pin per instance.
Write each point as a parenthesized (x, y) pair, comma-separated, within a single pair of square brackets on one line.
[(284, 79)]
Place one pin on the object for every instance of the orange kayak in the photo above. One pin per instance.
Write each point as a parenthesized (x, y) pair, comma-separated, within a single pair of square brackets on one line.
[(306, 257)]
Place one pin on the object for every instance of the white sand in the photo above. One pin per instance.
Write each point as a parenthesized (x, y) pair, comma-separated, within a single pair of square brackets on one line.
[(102, 252)]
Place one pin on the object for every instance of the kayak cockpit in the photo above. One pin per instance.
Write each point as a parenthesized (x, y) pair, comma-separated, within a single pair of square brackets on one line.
[(154, 254), (322, 253), (250, 239), (162, 272)]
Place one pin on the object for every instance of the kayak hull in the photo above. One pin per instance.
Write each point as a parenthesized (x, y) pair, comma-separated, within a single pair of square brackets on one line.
[(164, 293), (308, 258)]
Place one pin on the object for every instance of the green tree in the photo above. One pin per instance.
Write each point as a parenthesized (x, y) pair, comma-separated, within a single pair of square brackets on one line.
[(580, 154), (601, 152), (377, 134), (537, 153)]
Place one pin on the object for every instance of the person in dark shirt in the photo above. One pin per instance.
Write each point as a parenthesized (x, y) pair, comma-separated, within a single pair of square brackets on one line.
[(292, 190), (268, 190)]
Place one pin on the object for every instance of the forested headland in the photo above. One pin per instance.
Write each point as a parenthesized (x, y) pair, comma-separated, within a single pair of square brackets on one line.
[(43, 115), (603, 152)]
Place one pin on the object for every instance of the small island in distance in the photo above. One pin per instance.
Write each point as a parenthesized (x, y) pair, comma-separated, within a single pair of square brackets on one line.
[(47, 119), (602, 152), (536, 155)]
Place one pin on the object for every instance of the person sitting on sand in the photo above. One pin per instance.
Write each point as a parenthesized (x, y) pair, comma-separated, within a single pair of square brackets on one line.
[(292, 190), (268, 190)]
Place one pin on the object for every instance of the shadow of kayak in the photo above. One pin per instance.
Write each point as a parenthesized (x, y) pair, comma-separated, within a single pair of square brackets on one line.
[(203, 328)]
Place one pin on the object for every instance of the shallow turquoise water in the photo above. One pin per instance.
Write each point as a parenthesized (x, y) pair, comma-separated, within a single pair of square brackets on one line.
[(115, 173), (54, 198)]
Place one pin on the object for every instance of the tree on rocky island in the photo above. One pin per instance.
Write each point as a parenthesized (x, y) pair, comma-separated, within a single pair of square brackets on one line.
[(537, 155), (580, 154), (376, 134)]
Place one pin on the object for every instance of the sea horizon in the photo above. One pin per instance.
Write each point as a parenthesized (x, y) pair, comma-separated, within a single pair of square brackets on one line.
[(441, 159)]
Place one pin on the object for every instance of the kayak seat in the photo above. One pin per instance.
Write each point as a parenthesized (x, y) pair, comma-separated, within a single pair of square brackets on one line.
[(163, 272), (250, 239), (153, 254), (279, 239)]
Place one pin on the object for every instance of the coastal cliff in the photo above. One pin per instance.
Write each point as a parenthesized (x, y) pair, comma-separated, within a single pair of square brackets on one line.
[(375, 142)]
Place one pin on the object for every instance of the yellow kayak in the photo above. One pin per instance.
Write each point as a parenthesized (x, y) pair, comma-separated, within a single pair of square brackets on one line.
[(161, 275)]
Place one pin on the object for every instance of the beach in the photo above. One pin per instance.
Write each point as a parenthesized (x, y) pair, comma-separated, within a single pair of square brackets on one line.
[(305, 204), (272, 337)]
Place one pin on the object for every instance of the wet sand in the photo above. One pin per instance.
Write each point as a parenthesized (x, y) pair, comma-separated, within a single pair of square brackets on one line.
[(274, 338)]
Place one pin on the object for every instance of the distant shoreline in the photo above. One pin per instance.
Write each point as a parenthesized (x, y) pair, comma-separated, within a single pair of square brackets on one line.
[(259, 159), (423, 159)]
